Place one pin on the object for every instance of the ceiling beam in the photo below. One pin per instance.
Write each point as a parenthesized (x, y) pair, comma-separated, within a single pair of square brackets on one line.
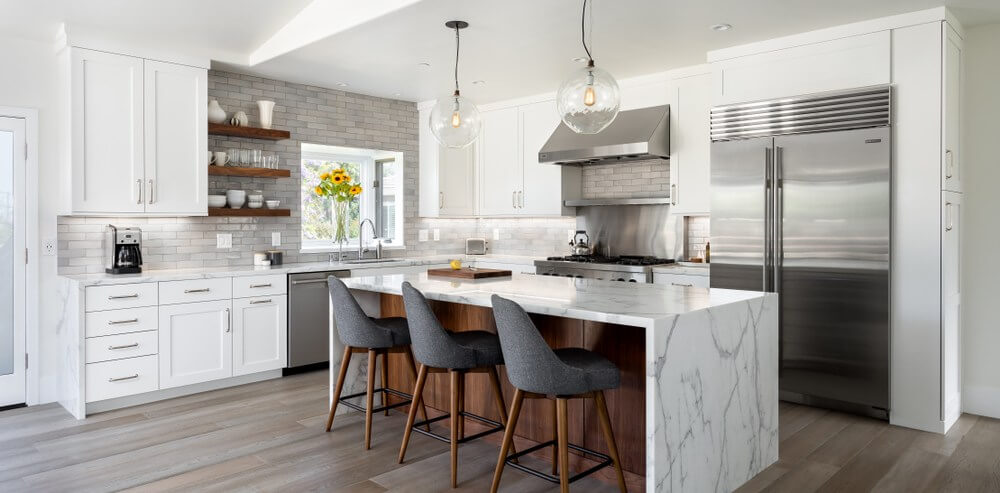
[(322, 19)]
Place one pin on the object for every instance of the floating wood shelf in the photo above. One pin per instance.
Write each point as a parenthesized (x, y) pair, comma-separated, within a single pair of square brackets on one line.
[(248, 132), (247, 212), (251, 172)]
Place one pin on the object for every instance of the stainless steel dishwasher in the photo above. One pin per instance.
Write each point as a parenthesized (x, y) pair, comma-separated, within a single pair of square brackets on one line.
[(309, 319)]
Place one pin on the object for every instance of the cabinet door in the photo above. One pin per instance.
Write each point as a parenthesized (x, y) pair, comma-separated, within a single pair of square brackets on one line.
[(176, 133), (952, 111), (106, 134), (429, 194), (457, 181), (196, 343), (542, 183), (951, 305), (690, 145), (260, 334), (500, 163)]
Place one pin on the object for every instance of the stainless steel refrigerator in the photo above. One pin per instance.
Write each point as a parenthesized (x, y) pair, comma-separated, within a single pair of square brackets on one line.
[(801, 207)]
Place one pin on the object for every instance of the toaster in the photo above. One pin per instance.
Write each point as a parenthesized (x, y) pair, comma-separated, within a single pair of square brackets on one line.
[(475, 246)]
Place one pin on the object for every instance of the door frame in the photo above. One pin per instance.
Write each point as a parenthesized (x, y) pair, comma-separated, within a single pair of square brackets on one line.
[(31, 268)]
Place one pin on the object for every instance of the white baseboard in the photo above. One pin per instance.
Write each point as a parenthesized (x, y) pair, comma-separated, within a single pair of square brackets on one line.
[(981, 400)]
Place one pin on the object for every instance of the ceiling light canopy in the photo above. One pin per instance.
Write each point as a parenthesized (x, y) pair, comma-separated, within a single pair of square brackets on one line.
[(588, 101), (455, 121)]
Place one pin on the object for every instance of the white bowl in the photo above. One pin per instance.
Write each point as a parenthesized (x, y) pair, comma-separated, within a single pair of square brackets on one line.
[(216, 200), (272, 204), (253, 204), (236, 198)]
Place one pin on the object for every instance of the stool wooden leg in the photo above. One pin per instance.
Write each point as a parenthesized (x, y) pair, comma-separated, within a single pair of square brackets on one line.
[(384, 398), (418, 392), (609, 436), (563, 431), (341, 375), (555, 437), (370, 398), (413, 370), (498, 397), (461, 405), (455, 382), (508, 437)]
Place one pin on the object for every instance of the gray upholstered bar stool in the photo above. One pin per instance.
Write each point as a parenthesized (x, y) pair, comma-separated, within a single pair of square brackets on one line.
[(458, 353), (538, 371), (377, 336)]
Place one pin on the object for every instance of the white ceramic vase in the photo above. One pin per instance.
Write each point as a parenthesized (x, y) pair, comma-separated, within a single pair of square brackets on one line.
[(265, 109), (215, 112)]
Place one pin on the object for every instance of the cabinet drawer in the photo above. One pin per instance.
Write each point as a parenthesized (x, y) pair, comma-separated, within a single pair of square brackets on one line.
[(681, 280), (110, 379), (121, 346), (247, 286), (195, 290), (111, 322), (120, 296)]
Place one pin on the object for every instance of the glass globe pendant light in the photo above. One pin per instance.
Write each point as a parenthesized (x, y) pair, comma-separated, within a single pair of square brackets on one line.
[(588, 100), (455, 121)]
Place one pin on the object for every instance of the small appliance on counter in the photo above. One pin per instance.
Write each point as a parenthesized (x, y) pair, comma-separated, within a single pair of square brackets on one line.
[(475, 246), (122, 250), (275, 256)]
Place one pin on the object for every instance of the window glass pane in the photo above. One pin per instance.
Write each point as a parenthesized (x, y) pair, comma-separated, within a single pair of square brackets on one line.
[(317, 213)]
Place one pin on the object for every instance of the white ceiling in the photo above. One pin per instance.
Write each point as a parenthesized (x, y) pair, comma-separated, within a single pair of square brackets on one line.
[(519, 47)]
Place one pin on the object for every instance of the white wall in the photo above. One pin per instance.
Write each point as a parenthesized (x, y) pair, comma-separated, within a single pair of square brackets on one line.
[(30, 80), (981, 269)]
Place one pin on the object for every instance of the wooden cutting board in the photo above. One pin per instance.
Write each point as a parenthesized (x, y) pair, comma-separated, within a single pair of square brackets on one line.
[(467, 273)]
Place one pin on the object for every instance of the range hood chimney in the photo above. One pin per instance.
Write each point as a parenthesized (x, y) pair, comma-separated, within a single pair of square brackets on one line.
[(634, 135)]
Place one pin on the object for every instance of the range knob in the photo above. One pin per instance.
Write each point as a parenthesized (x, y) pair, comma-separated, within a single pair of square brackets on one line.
[(631, 280)]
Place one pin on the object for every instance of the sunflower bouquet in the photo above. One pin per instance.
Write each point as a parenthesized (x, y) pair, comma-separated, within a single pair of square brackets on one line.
[(337, 184)]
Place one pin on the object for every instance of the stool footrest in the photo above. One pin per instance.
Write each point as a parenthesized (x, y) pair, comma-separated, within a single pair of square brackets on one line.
[(512, 458), (404, 395), (496, 427)]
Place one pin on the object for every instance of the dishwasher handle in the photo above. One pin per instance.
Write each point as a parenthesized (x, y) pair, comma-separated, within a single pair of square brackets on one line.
[(309, 281)]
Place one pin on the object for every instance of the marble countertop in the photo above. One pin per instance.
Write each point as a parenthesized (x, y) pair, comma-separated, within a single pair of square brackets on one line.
[(289, 268), (684, 268), (586, 299)]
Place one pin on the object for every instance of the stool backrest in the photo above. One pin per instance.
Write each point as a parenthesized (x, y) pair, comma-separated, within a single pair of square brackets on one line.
[(531, 365), (353, 325), (431, 343)]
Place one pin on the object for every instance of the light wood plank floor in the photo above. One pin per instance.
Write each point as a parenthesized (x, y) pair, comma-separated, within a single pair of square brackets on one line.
[(268, 436)]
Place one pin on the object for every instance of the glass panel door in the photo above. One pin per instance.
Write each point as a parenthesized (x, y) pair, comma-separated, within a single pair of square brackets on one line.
[(12, 282)]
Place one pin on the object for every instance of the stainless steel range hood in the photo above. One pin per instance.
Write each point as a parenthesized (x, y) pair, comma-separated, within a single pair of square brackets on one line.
[(634, 135)]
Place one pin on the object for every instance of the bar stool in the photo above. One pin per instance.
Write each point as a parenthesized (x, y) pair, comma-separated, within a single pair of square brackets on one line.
[(457, 353), (377, 336), (537, 371)]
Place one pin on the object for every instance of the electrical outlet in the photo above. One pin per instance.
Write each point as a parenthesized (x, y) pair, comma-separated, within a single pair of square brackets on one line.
[(49, 247), (437, 234), (496, 233), (422, 235), (276, 238), (223, 240)]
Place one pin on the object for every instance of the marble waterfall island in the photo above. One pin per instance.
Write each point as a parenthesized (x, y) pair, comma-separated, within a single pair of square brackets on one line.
[(698, 405)]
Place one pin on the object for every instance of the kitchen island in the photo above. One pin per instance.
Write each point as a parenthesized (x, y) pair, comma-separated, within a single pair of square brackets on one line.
[(698, 406)]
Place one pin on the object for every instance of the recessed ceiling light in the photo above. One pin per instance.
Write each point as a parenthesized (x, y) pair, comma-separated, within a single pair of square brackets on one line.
[(479, 82), (580, 59), (424, 64), (721, 27), (341, 84)]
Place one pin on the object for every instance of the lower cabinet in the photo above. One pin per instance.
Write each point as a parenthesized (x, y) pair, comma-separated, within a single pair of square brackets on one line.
[(683, 280), (196, 342), (259, 334)]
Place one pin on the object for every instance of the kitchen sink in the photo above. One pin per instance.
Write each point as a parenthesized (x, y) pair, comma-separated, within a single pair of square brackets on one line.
[(374, 261)]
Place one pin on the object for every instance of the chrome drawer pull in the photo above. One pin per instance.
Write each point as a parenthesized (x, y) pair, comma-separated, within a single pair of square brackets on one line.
[(257, 302), (123, 296), (119, 379), (682, 284), (134, 344), (260, 285), (119, 322), (202, 290)]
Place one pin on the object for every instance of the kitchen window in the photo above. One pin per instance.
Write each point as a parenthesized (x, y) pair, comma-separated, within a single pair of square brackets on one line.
[(381, 176)]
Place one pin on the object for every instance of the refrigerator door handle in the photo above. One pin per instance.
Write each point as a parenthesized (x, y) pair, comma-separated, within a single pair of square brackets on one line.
[(768, 203), (777, 246)]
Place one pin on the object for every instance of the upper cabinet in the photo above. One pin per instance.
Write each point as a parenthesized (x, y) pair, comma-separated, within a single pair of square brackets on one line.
[(447, 176), (138, 136), (500, 163), (690, 145), (951, 99)]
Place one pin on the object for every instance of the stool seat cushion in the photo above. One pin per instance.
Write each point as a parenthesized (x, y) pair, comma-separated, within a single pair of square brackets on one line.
[(596, 372), (396, 329), (482, 347)]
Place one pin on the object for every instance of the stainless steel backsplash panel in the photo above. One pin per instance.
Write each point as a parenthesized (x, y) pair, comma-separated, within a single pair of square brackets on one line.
[(633, 230)]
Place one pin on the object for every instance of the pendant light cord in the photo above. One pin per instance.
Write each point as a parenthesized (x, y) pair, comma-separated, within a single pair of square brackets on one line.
[(458, 41), (583, 31)]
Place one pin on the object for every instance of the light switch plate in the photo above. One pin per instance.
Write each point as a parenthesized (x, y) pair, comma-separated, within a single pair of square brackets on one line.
[(496, 233), (437, 234), (422, 235), (276, 238), (223, 240), (49, 247)]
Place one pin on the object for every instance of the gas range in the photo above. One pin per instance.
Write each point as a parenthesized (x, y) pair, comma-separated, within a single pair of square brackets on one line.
[(627, 268)]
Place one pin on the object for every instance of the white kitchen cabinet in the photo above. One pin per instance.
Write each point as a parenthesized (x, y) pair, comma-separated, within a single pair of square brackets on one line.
[(106, 95), (951, 305), (138, 136), (543, 187), (690, 145), (260, 334), (196, 342), (176, 139), (447, 176), (682, 280), (951, 100), (500, 163)]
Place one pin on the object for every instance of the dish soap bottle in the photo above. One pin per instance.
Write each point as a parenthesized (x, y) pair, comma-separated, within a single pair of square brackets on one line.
[(708, 252)]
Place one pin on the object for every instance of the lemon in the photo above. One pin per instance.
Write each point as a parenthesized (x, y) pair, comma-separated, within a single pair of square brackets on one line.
[(455, 264)]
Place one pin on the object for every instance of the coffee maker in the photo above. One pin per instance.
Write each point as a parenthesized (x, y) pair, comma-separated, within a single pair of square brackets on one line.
[(122, 250)]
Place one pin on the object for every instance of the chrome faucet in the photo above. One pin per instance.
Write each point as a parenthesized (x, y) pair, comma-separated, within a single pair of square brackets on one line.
[(361, 240)]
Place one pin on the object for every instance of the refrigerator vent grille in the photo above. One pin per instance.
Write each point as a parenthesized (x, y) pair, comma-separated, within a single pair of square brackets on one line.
[(825, 112)]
